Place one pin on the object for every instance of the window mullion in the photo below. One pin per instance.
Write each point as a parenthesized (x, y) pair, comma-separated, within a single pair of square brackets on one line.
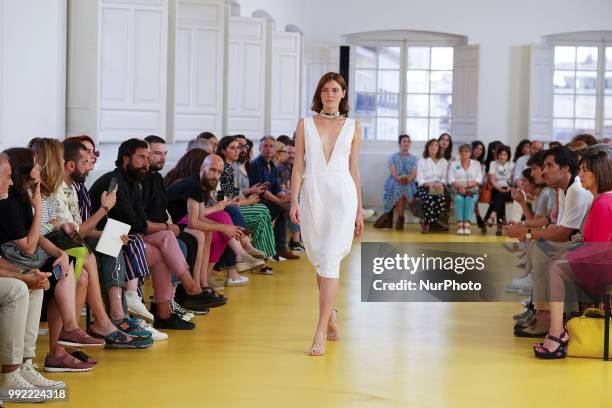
[(601, 77), (429, 95), (402, 87)]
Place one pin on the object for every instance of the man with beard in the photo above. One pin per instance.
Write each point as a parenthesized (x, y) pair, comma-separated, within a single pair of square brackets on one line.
[(560, 172), (284, 177), (111, 269), (156, 207), (163, 253)]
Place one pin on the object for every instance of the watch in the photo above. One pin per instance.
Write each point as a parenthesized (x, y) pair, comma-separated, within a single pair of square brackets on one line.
[(528, 235)]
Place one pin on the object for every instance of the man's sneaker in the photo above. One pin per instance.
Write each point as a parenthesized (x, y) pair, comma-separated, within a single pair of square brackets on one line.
[(78, 339), (209, 298), (183, 313), (266, 270), (529, 311), (31, 375), (517, 284), (172, 323), (65, 364), (189, 302), (239, 281), (296, 246), (278, 258), (13, 380), (131, 328), (135, 305), (155, 334)]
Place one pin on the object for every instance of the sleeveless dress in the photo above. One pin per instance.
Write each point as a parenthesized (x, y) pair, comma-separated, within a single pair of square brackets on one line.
[(328, 200)]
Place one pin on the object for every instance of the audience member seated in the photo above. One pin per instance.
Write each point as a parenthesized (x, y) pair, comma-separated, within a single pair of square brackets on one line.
[(465, 178), (212, 139), (256, 215), (65, 233), (560, 172), (21, 296), (432, 171), (190, 203), (521, 156), (583, 265), (263, 171), (285, 169), (400, 186), (23, 245), (163, 254), (479, 153), (200, 144), (156, 207), (500, 176), (446, 147)]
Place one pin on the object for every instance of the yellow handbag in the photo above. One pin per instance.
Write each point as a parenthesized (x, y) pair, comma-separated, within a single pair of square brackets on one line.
[(587, 334)]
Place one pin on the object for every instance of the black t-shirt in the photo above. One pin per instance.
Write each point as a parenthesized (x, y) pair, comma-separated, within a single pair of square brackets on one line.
[(17, 219), (154, 197), (178, 193)]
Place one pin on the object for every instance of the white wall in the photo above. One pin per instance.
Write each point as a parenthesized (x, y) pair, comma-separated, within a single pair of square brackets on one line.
[(32, 70)]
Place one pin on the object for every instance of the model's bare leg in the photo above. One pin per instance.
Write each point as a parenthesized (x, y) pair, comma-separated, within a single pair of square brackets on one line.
[(328, 288)]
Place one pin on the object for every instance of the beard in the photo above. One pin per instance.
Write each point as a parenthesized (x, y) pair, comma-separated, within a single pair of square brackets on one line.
[(242, 157), (135, 173), (208, 184), (79, 178), (157, 166)]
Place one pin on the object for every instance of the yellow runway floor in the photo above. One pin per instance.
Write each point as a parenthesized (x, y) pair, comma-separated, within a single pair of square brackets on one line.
[(252, 353)]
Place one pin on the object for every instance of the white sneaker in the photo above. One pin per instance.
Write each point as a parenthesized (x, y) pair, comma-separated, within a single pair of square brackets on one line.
[(29, 373), (368, 213), (239, 281), (460, 231), (14, 380), (518, 284), (136, 307), (467, 231), (155, 334)]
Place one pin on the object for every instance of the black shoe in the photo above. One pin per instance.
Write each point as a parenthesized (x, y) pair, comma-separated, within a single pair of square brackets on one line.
[(201, 302), (197, 303), (296, 246), (172, 323)]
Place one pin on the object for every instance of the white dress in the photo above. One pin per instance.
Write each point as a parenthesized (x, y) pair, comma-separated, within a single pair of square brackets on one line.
[(328, 200)]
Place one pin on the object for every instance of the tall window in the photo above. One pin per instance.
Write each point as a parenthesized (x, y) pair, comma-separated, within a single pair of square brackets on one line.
[(403, 89), (582, 91)]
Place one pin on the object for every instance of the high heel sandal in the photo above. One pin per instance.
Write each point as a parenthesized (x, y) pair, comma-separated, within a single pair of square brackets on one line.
[(559, 353)]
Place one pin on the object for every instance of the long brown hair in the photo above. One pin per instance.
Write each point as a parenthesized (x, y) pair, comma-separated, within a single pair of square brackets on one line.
[(21, 160), (188, 165), (600, 165), (317, 104), (49, 154)]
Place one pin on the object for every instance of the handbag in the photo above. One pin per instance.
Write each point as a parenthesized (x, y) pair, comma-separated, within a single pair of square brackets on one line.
[(13, 254), (62, 240), (486, 193), (435, 191), (586, 334)]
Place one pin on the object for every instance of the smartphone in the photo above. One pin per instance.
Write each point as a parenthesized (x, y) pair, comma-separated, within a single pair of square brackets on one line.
[(220, 196), (236, 191), (57, 272), (113, 185)]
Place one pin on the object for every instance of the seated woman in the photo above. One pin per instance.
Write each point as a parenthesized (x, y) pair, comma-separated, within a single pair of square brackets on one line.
[(479, 153), (22, 244), (432, 171), (582, 266), (400, 186), (465, 178), (49, 155), (500, 176)]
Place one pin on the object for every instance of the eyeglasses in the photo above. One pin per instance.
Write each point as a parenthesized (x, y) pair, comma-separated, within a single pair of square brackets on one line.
[(281, 151)]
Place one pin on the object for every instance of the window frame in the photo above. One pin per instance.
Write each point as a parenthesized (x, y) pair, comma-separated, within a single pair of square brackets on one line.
[(601, 42), (402, 39)]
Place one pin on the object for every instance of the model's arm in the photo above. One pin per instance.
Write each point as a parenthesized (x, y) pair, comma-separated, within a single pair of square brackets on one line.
[(354, 170), (298, 164)]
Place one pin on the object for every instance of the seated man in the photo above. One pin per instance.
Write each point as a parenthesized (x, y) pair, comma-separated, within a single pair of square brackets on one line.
[(163, 253), (560, 172), (262, 170), (111, 270), (284, 178)]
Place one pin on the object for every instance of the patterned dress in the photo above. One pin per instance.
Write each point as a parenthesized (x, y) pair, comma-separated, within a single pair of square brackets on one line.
[(404, 165)]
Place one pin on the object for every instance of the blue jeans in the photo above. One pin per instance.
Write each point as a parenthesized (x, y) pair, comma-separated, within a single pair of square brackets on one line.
[(464, 206)]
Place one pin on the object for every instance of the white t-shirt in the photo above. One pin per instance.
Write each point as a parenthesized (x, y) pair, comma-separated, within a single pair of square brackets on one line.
[(574, 205), (519, 166), (502, 173), (456, 172), (429, 171)]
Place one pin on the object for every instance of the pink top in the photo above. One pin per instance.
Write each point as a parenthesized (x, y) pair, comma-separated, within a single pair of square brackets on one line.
[(598, 225)]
